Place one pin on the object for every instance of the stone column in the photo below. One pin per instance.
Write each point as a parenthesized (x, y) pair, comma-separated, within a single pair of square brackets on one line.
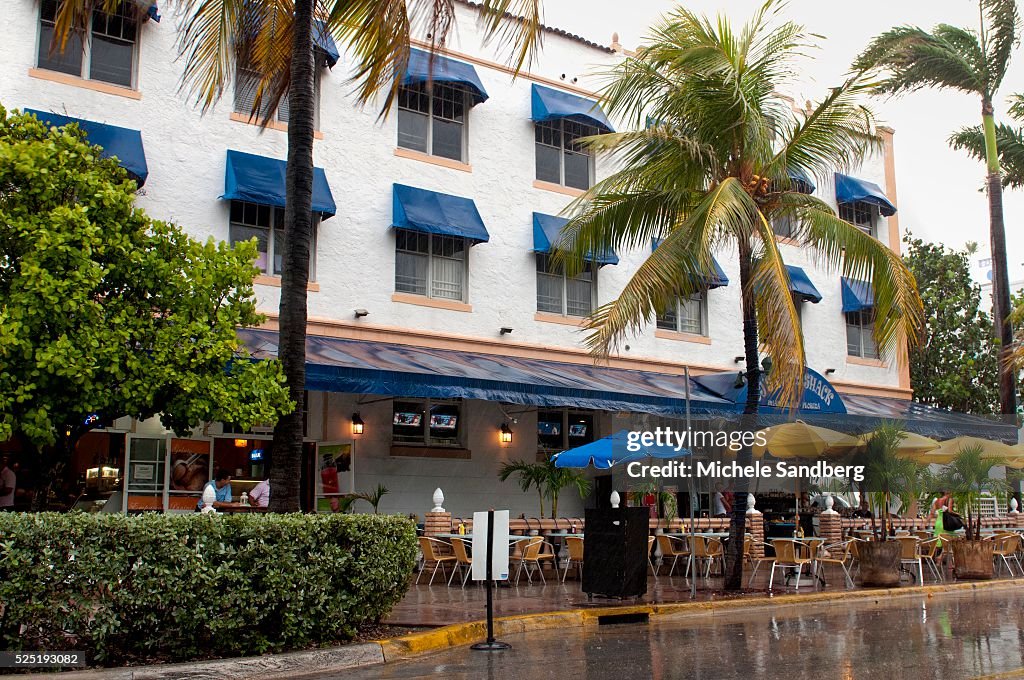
[(830, 524), (755, 527)]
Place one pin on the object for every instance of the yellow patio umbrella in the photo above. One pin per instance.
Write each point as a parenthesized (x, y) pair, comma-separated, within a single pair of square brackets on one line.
[(950, 448), (800, 440), (911, 445)]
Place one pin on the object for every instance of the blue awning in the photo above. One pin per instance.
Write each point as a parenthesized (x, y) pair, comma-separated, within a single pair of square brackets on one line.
[(432, 212), (716, 280), (801, 286), (548, 104), (857, 295), (323, 39), (546, 233), (365, 367), (850, 190), (445, 71), (261, 180), (150, 8), (870, 412), (819, 395), (124, 144)]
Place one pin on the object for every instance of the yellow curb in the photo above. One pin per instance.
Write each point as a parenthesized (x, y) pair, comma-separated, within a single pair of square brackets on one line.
[(460, 634)]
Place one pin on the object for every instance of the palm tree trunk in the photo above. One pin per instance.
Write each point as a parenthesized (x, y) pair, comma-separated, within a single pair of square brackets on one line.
[(738, 523), (286, 467), (1000, 278)]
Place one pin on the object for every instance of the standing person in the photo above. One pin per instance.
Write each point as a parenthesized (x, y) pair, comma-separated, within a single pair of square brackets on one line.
[(8, 481), (721, 506), (222, 487), (259, 497)]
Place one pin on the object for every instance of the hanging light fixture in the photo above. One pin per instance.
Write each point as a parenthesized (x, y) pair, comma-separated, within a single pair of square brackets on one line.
[(357, 424), (505, 434)]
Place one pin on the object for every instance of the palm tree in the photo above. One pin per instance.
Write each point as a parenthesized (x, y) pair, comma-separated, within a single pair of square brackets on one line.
[(556, 479), (968, 476), (1009, 139), (712, 170), (531, 476), (887, 474), (275, 39), (949, 57)]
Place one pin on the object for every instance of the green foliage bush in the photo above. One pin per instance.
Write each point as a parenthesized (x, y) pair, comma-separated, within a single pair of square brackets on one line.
[(179, 587)]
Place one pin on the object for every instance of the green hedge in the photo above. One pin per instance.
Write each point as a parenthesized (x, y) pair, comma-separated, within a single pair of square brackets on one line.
[(180, 587)]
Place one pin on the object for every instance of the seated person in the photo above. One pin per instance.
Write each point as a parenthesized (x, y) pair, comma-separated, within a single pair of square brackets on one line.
[(259, 497), (222, 486)]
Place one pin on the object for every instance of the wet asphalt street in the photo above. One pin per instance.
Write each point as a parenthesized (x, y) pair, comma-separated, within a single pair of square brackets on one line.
[(962, 635)]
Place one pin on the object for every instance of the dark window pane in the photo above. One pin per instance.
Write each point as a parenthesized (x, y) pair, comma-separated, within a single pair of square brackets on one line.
[(577, 170), (409, 423), (549, 430), (444, 424), (447, 139), (111, 61), (547, 164), (581, 429), (69, 61), (412, 130)]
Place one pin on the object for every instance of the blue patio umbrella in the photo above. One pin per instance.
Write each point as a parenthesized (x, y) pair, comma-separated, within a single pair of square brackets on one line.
[(607, 451)]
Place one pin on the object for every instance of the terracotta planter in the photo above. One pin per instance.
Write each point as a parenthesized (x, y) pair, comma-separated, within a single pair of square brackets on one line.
[(973, 559), (879, 563)]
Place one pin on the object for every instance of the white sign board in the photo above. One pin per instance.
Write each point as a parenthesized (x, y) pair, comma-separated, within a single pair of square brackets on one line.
[(498, 538)]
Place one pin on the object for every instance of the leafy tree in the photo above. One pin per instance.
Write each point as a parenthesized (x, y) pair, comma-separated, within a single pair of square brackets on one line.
[(106, 311), (956, 364), (712, 170), (972, 62), (530, 475), (1009, 139), (967, 477)]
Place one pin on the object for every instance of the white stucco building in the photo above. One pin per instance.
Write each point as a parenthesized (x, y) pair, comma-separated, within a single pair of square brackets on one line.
[(423, 292)]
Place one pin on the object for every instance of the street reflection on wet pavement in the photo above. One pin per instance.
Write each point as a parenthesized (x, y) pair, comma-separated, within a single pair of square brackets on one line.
[(957, 635)]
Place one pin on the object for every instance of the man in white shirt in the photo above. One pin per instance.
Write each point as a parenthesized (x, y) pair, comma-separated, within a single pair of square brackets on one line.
[(8, 481)]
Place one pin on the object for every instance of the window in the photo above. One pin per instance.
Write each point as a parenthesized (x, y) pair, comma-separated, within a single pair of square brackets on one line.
[(107, 55), (859, 214), (562, 429), (430, 265), (426, 422), (783, 226), (247, 81), (266, 224), (687, 315), (860, 339), (433, 121), (561, 294), (560, 160)]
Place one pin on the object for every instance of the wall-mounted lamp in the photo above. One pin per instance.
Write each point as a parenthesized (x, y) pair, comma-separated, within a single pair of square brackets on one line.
[(241, 442), (505, 434), (738, 359), (740, 381), (506, 330), (829, 371), (360, 313), (357, 424), (766, 364)]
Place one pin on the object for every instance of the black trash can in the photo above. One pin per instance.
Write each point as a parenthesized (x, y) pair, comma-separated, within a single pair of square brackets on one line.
[(615, 552)]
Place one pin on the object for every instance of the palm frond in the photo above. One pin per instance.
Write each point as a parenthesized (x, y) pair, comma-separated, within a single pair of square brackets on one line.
[(1009, 141), (677, 267), (909, 58), (377, 34), (777, 322), (1002, 35), (516, 24), (899, 313)]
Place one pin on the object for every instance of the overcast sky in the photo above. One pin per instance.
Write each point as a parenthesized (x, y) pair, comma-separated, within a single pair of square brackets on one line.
[(937, 186)]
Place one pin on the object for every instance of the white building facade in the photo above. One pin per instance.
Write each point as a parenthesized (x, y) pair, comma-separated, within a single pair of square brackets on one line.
[(419, 290)]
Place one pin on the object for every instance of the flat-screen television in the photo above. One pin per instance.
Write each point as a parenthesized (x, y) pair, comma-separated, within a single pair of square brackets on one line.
[(548, 429), (443, 421), (408, 418), (578, 430), (256, 455)]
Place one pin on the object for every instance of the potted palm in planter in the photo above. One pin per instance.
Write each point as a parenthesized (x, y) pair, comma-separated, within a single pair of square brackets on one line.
[(968, 476), (887, 475), (664, 502)]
